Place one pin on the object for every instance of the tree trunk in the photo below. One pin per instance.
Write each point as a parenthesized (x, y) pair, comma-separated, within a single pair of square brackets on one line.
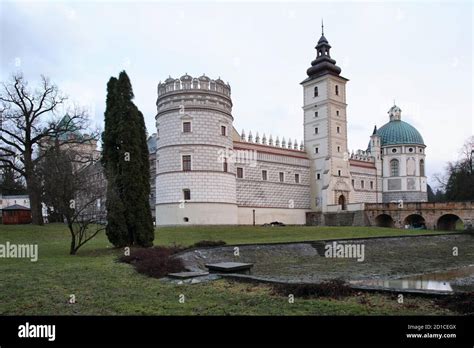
[(72, 248), (34, 192)]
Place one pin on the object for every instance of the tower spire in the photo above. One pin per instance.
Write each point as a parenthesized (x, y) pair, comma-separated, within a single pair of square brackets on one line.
[(322, 27)]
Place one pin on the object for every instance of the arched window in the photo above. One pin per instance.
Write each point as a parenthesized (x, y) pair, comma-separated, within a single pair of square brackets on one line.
[(394, 167), (422, 167), (316, 91)]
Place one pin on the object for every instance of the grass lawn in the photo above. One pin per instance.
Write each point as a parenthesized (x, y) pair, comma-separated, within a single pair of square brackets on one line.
[(103, 286)]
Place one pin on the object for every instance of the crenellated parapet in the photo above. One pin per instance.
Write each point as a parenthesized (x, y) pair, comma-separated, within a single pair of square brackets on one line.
[(361, 155), (187, 82), (195, 93), (263, 140)]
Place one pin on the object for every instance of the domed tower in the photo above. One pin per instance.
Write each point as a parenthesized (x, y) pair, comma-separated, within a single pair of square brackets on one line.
[(403, 160), (195, 183)]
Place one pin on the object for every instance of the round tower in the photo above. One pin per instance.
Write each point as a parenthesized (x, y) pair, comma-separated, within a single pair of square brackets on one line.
[(195, 181)]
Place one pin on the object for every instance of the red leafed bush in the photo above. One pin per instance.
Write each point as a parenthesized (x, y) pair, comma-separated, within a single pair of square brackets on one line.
[(155, 262)]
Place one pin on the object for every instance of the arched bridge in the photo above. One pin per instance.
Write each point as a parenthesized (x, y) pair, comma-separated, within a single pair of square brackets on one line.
[(437, 216)]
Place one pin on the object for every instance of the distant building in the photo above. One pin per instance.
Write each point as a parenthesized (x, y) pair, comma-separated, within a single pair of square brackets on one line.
[(16, 215), (151, 142)]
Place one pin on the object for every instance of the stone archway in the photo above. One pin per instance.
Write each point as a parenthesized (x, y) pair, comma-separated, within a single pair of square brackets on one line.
[(415, 221), (449, 222), (384, 220), (342, 202)]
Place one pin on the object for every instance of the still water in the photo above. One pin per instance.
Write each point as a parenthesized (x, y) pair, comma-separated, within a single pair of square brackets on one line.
[(437, 281)]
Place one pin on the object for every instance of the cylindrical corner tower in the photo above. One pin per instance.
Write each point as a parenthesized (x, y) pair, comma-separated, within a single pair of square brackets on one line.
[(195, 183)]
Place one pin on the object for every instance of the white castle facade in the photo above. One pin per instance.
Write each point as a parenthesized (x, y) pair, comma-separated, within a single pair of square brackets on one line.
[(208, 173)]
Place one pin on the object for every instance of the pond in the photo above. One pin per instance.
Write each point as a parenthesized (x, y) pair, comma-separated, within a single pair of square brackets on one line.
[(443, 263)]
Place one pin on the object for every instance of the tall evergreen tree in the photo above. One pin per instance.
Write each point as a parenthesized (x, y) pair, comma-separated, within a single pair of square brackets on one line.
[(125, 159)]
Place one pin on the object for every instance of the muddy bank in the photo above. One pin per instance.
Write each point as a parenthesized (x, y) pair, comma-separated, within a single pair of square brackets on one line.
[(385, 258)]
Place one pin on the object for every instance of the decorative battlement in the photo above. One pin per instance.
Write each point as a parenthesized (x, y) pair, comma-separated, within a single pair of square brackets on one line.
[(187, 82), (269, 141), (362, 155)]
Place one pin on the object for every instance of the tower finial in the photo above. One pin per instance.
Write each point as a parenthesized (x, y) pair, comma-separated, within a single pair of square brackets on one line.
[(322, 27)]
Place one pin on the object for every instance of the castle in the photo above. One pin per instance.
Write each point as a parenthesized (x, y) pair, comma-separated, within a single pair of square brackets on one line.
[(208, 173)]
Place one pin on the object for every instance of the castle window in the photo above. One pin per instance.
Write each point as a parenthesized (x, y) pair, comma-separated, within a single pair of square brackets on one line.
[(362, 184), (338, 129), (316, 114), (186, 127), (339, 173), (337, 90), (186, 194), (318, 176), (225, 165), (223, 130), (264, 175), (394, 167), (186, 163), (353, 182), (316, 130), (316, 91), (337, 112), (282, 177), (422, 168), (240, 172), (316, 150), (297, 178), (338, 149)]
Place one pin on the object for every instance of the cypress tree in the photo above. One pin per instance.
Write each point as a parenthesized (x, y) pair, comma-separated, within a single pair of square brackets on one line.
[(125, 159)]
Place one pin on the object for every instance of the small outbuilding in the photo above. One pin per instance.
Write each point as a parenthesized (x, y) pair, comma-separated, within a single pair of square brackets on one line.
[(16, 215)]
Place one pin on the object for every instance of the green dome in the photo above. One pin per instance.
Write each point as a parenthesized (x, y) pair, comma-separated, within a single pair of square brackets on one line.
[(399, 132)]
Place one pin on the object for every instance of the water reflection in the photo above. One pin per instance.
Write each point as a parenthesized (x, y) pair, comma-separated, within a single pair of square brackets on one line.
[(437, 281), (407, 284)]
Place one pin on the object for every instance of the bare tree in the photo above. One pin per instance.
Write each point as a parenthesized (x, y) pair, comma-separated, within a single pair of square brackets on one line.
[(75, 192), (29, 120)]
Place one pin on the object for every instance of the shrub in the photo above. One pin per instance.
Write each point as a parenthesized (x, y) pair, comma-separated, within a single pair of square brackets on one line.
[(155, 262), (333, 288), (461, 303)]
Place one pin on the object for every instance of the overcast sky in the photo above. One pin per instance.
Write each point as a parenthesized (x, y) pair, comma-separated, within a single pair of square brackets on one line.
[(416, 53)]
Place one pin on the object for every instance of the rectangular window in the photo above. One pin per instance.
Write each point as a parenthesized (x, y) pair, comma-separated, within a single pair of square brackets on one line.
[(362, 184), (264, 175), (337, 90), (353, 182), (223, 130), (282, 177), (186, 194), (371, 185), (225, 166), (297, 178), (316, 114), (337, 112), (339, 173), (338, 149), (240, 172), (186, 163), (316, 130), (316, 150), (318, 176), (186, 127), (338, 129)]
